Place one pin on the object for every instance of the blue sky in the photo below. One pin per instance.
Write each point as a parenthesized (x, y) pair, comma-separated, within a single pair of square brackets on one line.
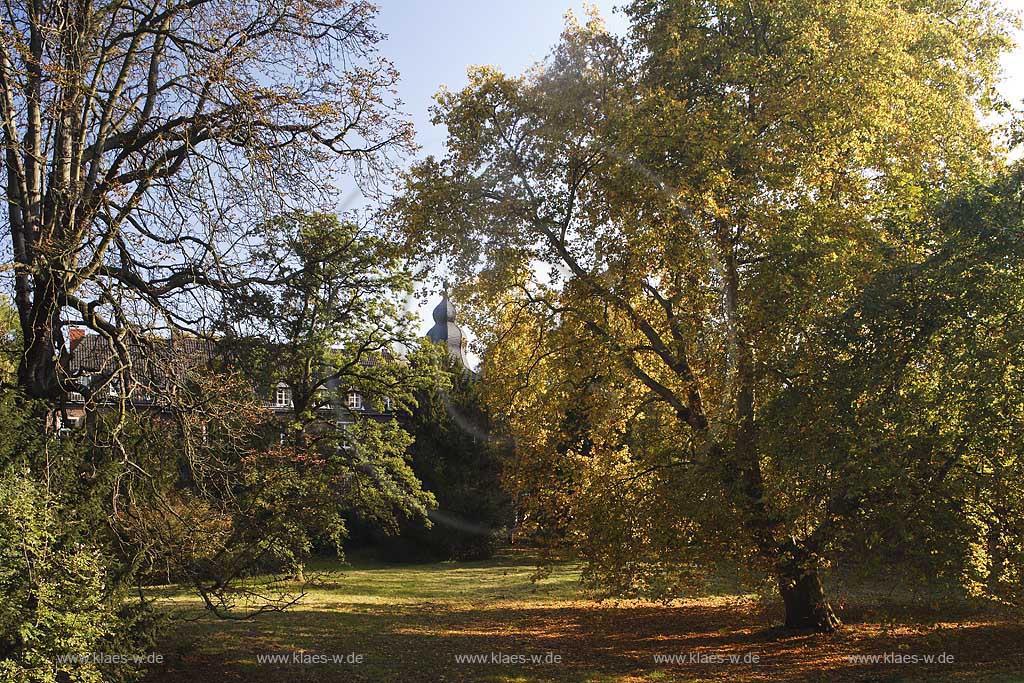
[(432, 42)]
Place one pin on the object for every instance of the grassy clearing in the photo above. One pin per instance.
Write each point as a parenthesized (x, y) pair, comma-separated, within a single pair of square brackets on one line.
[(412, 623)]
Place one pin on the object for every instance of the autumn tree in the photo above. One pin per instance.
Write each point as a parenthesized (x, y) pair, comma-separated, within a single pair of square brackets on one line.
[(667, 222), (143, 147)]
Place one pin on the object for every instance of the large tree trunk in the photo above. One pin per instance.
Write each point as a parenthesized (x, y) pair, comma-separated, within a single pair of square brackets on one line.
[(804, 598), (799, 584), (36, 372), (37, 367)]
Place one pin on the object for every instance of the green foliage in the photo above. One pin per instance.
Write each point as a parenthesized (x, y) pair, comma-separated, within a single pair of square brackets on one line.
[(459, 458), (58, 573), (333, 311), (333, 326), (911, 421)]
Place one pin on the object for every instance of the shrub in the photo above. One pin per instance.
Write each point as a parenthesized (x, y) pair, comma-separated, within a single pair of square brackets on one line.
[(62, 595)]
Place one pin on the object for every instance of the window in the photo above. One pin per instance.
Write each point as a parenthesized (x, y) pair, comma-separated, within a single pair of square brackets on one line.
[(354, 400), (344, 443), (387, 404), (283, 397)]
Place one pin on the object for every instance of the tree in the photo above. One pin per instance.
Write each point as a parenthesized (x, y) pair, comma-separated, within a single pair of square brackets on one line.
[(685, 211), (913, 408), (459, 458), (142, 146), (333, 328)]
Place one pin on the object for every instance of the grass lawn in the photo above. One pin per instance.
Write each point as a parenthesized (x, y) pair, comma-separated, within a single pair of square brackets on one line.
[(414, 622)]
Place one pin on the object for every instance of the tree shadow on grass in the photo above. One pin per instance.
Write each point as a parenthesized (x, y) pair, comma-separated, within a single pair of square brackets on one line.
[(425, 641)]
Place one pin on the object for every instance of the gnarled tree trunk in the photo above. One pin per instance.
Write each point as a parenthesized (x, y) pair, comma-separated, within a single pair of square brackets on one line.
[(803, 594)]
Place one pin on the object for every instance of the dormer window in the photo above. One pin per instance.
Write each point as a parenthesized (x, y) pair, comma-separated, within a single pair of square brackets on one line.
[(387, 404), (354, 400), (283, 397)]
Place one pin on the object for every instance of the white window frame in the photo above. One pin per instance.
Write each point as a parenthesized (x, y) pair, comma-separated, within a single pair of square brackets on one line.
[(354, 400), (282, 396)]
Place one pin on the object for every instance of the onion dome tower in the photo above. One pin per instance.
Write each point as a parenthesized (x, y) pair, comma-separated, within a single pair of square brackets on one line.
[(447, 331)]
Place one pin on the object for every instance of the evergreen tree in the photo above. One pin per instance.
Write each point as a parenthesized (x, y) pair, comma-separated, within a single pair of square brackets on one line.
[(457, 457)]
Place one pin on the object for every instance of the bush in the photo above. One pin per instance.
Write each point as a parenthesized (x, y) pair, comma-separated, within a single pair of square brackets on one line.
[(61, 596)]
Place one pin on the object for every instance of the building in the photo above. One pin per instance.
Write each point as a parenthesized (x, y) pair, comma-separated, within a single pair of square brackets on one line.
[(160, 363), (156, 365)]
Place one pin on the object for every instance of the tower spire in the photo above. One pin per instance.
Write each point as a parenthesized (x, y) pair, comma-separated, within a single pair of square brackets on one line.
[(446, 329)]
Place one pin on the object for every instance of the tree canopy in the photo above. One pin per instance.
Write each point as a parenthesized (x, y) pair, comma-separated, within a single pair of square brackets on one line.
[(335, 326), (665, 229), (145, 146)]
